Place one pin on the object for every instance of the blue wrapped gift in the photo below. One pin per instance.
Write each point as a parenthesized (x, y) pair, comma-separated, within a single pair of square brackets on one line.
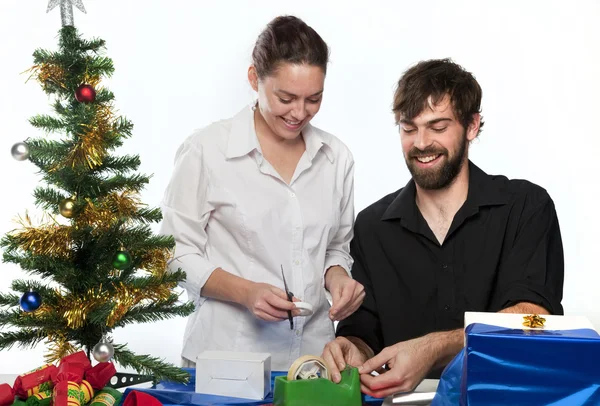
[(517, 366)]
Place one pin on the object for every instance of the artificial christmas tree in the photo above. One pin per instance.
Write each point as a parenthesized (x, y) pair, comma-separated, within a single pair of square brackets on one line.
[(100, 267)]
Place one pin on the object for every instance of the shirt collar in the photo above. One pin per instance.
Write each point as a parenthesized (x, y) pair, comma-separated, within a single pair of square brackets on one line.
[(484, 190), (242, 138), (315, 141)]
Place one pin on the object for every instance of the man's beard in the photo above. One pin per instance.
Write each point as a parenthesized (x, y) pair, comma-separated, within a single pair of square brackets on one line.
[(444, 173)]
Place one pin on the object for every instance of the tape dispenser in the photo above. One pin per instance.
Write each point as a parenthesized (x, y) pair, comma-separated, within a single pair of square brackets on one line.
[(308, 383)]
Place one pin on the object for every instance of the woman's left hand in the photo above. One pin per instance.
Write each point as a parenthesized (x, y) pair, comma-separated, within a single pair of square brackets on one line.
[(347, 294)]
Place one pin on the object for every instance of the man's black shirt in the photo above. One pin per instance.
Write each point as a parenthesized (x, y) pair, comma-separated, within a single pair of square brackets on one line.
[(503, 247)]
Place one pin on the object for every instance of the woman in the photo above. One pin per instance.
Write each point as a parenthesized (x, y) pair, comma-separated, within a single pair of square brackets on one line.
[(263, 192)]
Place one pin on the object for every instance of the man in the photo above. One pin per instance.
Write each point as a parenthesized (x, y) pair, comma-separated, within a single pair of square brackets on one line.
[(454, 239)]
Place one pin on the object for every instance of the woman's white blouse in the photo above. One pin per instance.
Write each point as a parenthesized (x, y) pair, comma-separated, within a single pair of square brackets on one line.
[(227, 207)]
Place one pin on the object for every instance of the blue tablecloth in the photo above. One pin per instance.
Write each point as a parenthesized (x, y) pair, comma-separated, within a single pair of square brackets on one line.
[(169, 394)]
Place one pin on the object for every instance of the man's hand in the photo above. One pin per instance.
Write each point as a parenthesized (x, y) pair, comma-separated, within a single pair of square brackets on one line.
[(346, 293), (407, 363), (341, 352)]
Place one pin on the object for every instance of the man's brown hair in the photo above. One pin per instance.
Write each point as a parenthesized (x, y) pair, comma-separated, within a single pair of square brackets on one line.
[(429, 82)]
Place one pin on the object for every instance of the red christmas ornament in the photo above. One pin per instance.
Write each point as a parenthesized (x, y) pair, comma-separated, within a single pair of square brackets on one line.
[(85, 94)]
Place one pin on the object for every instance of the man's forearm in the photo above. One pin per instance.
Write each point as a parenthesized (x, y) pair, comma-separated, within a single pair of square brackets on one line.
[(444, 346), (525, 308)]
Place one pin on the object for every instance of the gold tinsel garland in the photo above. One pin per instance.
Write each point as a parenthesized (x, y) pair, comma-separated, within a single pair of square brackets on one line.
[(106, 212), (49, 240), (59, 347), (90, 150), (47, 73), (127, 297), (155, 261)]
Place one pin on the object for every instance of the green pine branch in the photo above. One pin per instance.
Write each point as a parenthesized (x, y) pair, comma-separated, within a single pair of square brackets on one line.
[(134, 183), (48, 123), (24, 338), (150, 215), (101, 66), (155, 312), (148, 365), (104, 96), (124, 127), (145, 282), (93, 45), (41, 56), (45, 149), (48, 198), (9, 300), (118, 164), (17, 318), (151, 242)]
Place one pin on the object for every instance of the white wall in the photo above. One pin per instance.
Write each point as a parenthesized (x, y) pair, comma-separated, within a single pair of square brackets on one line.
[(182, 64)]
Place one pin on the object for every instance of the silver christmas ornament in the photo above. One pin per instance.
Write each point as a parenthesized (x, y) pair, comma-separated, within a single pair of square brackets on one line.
[(104, 350), (20, 151)]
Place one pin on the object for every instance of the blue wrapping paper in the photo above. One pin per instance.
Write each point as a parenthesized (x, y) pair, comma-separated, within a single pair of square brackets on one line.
[(501, 366), (169, 393)]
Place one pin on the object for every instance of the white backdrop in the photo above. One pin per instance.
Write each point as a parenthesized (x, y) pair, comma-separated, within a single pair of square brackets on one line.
[(182, 64)]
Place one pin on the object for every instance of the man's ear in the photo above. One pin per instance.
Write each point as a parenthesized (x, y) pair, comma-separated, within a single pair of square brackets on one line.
[(473, 128)]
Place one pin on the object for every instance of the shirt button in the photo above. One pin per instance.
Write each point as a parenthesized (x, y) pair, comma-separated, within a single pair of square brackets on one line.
[(298, 333), (444, 266), (296, 262), (292, 194), (446, 308)]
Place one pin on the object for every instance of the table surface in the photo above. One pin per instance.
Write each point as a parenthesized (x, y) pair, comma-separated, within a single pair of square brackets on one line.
[(427, 386)]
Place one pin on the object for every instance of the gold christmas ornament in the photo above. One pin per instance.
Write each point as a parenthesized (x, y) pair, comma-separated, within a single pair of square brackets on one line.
[(67, 207)]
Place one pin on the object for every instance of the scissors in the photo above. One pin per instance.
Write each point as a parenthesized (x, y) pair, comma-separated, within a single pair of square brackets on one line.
[(290, 295)]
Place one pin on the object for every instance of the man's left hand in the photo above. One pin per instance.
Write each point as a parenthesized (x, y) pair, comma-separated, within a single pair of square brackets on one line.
[(407, 363), (346, 293)]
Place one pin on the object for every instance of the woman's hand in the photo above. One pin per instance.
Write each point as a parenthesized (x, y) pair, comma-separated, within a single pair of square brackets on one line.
[(268, 302), (346, 293)]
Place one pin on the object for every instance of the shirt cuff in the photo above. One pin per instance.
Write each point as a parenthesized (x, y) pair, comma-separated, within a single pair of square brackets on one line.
[(531, 293), (197, 270), (333, 260)]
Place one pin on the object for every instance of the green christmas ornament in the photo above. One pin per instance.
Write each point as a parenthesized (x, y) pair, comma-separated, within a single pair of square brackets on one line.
[(122, 260)]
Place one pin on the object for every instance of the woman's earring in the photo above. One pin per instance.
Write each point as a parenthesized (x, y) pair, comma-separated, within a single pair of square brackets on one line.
[(255, 106)]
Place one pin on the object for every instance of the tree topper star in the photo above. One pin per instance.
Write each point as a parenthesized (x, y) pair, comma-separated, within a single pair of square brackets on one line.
[(66, 9)]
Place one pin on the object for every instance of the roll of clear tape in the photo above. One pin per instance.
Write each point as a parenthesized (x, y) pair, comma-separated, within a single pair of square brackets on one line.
[(308, 367), (306, 309)]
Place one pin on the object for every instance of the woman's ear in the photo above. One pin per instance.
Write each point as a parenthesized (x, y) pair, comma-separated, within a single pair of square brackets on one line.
[(253, 78)]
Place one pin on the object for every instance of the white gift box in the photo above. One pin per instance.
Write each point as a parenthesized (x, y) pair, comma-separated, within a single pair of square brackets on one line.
[(236, 374)]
